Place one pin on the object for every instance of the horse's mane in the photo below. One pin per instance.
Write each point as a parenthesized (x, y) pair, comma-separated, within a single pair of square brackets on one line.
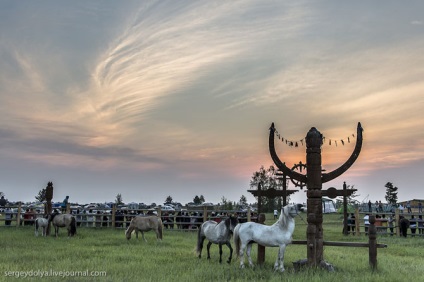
[(227, 222)]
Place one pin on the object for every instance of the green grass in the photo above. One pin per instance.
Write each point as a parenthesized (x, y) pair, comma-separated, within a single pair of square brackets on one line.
[(174, 258)]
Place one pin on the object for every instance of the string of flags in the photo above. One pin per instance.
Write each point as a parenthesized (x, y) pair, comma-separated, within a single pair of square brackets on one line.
[(301, 142)]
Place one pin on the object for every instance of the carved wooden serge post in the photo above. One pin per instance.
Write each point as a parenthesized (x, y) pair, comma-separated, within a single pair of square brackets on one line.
[(314, 179), (48, 208)]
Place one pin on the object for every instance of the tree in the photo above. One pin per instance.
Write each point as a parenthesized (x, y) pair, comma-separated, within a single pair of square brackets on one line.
[(118, 199), (197, 200), (2, 194), (41, 197), (168, 200), (243, 201), (225, 204), (391, 194), (351, 199), (202, 199), (267, 178)]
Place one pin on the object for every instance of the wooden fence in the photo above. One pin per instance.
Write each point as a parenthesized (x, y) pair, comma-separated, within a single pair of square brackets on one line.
[(191, 219), (117, 218)]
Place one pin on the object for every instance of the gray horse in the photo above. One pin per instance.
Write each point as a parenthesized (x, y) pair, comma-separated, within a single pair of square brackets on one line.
[(216, 233), (63, 220), (144, 224)]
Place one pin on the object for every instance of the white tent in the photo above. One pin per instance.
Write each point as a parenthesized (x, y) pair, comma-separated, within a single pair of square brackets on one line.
[(328, 205)]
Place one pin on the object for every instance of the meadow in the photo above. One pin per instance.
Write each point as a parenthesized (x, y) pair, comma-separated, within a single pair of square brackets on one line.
[(103, 254)]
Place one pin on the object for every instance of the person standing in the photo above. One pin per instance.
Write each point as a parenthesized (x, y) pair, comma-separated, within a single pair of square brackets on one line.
[(8, 216), (408, 206), (65, 204), (275, 214), (420, 224), (27, 217), (420, 207), (413, 225), (351, 223), (366, 223), (390, 221), (369, 206), (384, 224)]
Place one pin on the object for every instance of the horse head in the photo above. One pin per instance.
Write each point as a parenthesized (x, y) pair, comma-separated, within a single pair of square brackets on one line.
[(128, 232), (231, 223), (292, 210), (287, 212)]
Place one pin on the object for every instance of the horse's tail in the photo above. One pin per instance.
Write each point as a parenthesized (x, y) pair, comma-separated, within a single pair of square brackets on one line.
[(160, 228), (236, 237), (73, 226), (199, 240)]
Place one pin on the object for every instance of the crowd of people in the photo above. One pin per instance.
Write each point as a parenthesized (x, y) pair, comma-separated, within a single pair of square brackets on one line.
[(386, 222)]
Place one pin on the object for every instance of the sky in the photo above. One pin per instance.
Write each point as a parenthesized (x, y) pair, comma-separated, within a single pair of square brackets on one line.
[(150, 99)]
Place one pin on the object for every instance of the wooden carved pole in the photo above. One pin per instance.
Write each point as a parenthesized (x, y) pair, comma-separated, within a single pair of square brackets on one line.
[(49, 197), (314, 179), (314, 201), (345, 223), (372, 241)]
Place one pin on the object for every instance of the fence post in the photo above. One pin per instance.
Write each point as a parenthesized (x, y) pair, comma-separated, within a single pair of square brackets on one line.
[(113, 215), (18, 216), (205, 214), (372, 241), (261, 249), (357, 222), (68, 208), (397, 222)]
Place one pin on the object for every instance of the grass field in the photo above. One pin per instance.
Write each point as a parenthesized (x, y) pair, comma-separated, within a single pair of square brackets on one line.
[(106, 252)]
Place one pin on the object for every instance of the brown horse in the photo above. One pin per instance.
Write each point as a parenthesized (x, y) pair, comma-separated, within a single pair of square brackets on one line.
[(63, 220), (145, 223)]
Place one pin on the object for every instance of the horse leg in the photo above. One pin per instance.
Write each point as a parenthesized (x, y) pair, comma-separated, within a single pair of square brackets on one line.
[(231, 251), (208, 248), (220, 252), (279, 263), (142, 233), (249, 258), (200, 245), (241, 254)]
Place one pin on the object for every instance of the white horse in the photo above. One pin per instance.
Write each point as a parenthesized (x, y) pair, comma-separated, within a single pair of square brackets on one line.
[(216, 233), (41, 222), (277, 235)]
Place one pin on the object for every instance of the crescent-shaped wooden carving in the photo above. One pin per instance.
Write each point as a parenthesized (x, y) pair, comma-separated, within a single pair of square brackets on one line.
[(282, 166), (326, 176)]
